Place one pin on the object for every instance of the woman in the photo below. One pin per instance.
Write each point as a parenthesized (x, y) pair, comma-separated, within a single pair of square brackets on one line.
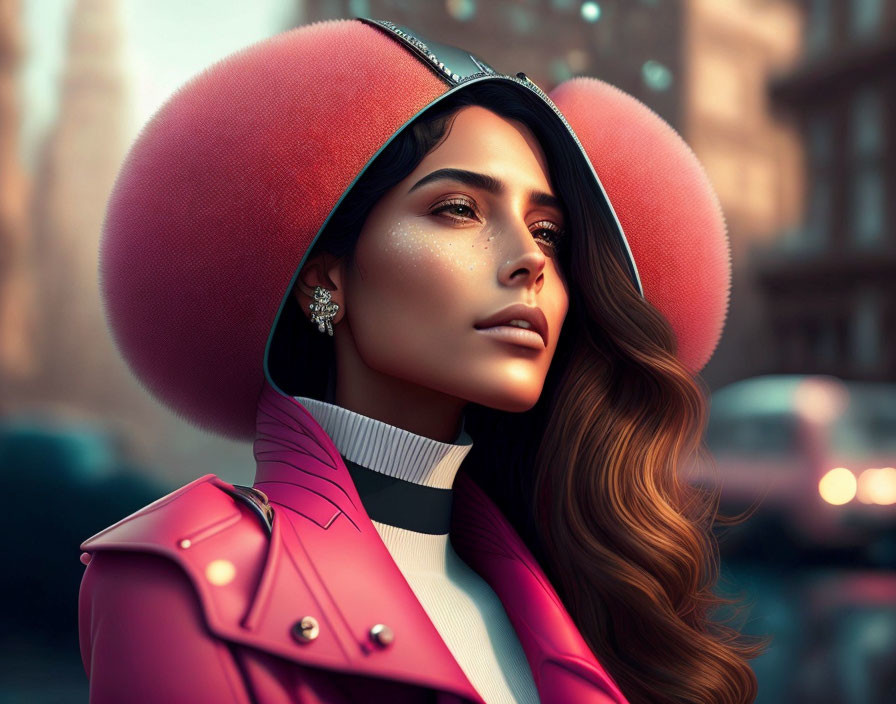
[(453, 287)]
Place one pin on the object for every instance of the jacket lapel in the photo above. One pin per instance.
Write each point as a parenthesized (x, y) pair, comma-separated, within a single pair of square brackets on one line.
[(324, 541), (485, 540)]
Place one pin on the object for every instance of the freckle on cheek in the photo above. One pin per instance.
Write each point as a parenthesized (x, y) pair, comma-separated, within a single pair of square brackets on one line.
[(414, 244)]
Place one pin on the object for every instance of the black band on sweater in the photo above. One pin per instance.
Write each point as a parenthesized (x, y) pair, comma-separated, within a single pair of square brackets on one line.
[(400, 503)]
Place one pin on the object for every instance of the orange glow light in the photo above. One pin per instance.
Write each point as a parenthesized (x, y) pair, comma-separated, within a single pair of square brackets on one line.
[(838, 486), (877, 486)]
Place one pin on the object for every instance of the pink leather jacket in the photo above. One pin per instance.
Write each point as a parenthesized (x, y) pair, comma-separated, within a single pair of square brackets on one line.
[(193, 598)]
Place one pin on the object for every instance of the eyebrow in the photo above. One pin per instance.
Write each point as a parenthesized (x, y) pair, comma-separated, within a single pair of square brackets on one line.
[(486, 183)]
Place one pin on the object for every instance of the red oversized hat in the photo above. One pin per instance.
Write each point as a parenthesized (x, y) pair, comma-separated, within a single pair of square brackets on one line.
[(225, 191)]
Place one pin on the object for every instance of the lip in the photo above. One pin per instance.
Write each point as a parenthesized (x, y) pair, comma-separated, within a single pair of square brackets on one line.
[(514, 335), (517, 311)]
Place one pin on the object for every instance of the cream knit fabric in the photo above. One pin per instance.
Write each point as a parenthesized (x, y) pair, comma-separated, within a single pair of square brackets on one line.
[(464, 609)]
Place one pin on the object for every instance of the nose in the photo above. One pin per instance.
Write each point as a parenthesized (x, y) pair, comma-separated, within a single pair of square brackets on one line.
[(525, 263)]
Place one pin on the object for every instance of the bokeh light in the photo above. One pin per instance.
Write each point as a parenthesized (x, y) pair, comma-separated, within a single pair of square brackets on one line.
[(577, 60), (560, 70), (590, 11), (838, 486), (522, 20), (821, 399), (877, 486), (461, 10), (359, 8), (656, 76)]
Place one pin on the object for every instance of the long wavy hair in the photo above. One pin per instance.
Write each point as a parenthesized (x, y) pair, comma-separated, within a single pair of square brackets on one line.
[(592, 476)]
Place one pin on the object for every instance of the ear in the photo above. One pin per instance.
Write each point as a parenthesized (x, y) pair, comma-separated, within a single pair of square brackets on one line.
[(325, 270)]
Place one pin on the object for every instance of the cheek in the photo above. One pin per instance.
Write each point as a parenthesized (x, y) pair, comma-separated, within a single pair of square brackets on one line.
[(422, 266), (434, 252), (414, 295)]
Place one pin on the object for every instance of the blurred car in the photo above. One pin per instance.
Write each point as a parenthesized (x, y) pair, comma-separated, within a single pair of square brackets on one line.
[(54, 449), (815, 453), (66, 481)]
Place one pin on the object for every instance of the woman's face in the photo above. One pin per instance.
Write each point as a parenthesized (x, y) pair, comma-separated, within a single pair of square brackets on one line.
[(441, 253)]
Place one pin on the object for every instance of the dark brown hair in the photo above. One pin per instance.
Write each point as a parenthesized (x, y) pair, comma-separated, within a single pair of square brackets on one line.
[(591, 476)]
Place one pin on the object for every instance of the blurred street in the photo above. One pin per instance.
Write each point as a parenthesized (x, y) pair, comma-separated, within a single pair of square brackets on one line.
[(834, 629)]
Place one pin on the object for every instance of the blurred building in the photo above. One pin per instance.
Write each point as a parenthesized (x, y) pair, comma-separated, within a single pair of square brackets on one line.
[(78, 373), (78, 363), (634, 45), (830, 284), (59, 365), (753, 158), (16, 340), (702, 65)]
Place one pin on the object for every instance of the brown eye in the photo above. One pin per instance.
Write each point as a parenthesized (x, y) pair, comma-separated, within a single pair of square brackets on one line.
[(458, 210), (551, 234)]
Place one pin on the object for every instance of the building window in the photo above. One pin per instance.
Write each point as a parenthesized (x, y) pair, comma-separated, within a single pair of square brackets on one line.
[(721, 88), (865, 17), (818, 29), (867, 205), (866, 178), (820, 140), (866, 123), (818, 222), (866, 337), (826, 344)]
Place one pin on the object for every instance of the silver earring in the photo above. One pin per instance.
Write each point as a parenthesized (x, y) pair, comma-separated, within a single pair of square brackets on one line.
[(323, 310)]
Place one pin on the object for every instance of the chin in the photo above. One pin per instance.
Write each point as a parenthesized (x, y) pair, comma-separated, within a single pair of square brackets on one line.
[(511, 399)]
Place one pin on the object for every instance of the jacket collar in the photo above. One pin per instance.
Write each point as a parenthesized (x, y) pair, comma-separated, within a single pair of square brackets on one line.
[(321, 524)]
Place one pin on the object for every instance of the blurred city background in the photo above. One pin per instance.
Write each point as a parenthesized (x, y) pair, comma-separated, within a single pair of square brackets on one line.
[(789, 104)]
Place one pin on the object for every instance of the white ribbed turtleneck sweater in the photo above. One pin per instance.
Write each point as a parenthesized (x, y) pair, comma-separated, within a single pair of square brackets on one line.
[(464, 609)]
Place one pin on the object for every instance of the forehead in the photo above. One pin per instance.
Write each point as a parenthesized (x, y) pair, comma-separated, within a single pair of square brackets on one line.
[(480, 140)]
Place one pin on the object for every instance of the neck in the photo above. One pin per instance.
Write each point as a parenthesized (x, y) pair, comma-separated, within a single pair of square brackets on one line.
[(417, 409)]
